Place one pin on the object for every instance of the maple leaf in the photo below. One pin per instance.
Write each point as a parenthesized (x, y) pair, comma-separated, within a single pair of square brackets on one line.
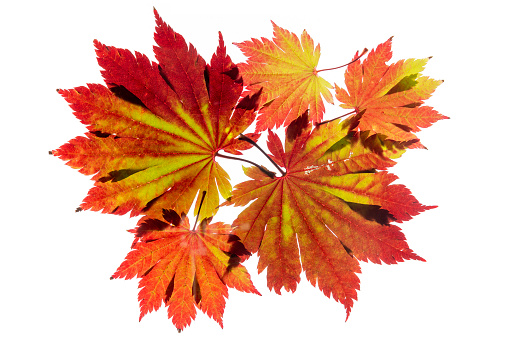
[(286, 70), (388, 99), (333, 206), (154, 133), (187, 269)]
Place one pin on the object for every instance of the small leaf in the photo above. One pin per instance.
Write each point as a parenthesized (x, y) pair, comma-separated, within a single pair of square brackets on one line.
[(286, 70), (185, 269), (388, 99)]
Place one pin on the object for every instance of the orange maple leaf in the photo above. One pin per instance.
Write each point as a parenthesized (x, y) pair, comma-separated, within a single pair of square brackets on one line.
[(334, 205), (286, 70), (388, 99), (154, 133), (186, 269)]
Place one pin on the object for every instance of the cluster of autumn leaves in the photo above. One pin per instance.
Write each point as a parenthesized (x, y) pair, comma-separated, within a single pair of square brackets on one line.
[(157, 129)]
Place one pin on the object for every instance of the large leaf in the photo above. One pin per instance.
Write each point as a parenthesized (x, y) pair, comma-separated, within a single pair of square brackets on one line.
[(154, 133), (286, 70), (331, 208), (388, 98), (187, 269)]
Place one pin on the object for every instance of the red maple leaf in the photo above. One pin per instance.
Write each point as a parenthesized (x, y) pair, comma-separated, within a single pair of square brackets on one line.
[(388, 98), (333, 206), (187, 269), (155, 131)]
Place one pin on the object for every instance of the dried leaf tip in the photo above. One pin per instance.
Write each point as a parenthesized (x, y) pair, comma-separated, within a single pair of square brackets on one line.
[(79, 209), (50, 152), (294, 130)]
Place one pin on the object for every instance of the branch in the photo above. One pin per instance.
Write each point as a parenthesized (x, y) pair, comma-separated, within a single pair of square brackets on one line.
[(351, 62), (268, 173), (245, 138), (336, 118), (199, 209)]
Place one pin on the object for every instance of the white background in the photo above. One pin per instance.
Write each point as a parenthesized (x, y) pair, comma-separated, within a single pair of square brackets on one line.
[(56, 264)]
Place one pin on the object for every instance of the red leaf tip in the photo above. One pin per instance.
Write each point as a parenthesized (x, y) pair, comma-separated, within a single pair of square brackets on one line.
[(159, 20)]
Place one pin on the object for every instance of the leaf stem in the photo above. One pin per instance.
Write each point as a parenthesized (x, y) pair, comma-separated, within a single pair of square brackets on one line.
[(261, 168), (336, 118), (252, 142), (351, 62), (199, 209)]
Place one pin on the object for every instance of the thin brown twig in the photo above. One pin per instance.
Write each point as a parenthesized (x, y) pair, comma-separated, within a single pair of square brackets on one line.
[(261, 168), (245, 138), (199, 209), (351, 62), (336, 118)]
